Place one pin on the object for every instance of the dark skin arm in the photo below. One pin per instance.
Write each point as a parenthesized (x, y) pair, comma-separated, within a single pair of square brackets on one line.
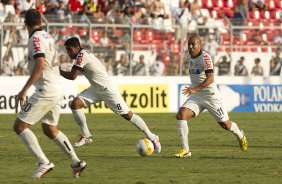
[(70, 75), (205, 83)]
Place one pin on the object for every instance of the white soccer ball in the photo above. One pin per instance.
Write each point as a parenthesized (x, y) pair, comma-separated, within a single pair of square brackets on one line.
[(144, 147)]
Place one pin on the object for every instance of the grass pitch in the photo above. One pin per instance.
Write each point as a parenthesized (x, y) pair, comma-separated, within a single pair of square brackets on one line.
[(111, 158)]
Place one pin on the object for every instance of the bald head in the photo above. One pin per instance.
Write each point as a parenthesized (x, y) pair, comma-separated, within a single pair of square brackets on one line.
[(194, 45)]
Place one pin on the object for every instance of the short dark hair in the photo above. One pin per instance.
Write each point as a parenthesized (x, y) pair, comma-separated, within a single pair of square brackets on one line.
[(72, 42), (32, 17)]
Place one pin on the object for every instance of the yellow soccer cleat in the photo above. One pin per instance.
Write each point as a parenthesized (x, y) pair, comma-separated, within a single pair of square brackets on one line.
[(243, 143), (183, 153)]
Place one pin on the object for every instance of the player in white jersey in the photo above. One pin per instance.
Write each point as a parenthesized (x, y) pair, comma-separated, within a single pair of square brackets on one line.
[(101, 89), (203, 94), (44, 104)]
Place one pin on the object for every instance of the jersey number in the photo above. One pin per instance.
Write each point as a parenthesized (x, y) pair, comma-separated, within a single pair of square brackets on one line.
[(27, 107), (119, 107)]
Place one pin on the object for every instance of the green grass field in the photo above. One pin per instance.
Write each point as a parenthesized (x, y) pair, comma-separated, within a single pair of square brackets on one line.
[(111, 158)]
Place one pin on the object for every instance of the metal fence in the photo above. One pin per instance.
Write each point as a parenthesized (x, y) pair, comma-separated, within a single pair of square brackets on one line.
[(129, 41)]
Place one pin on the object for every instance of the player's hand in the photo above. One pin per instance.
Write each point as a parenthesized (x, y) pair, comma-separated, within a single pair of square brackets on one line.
[(188, 90), (22, 98)]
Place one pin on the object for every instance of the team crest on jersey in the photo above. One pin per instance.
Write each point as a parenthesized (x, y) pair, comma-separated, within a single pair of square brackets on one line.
[(45, 35), (36, 44)]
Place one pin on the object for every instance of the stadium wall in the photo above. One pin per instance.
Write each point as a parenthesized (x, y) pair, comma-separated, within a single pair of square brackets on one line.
[(162, 94)]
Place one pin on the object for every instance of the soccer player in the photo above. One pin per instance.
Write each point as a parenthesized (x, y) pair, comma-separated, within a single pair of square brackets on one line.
[(203, 94), (101, 89), (44, 104)]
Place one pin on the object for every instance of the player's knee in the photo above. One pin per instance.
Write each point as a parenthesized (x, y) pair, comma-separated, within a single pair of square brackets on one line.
[(19, 126), (49, 131), (127, 116), (76, 104), (225, 125)]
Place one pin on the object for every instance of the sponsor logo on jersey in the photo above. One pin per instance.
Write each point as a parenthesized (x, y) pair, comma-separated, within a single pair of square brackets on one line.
[(194, 71), (208, 61), (79, 59), (36, 44)]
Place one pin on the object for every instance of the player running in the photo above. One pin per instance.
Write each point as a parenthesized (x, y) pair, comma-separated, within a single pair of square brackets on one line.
[(44, 104), (203, 94), (101, 89)]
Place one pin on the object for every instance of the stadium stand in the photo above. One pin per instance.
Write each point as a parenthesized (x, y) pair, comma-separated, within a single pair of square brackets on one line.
[(158, 27)]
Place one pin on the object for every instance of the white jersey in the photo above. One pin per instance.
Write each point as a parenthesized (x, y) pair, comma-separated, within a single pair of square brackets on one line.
[(94, 70), (41, 44), (197, 68)]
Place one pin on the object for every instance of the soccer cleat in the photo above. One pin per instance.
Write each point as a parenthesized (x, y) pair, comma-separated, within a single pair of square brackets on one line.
[(183, 153), (83, 140), (77, 169), (42, 169), (243, 143), (157, 144)]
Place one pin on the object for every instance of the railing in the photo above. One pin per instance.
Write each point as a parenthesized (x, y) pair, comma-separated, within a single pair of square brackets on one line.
[(130, 40)]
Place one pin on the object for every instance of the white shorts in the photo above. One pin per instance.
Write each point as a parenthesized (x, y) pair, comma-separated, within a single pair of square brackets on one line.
[(214, 105), (112, 98), (38, 108)]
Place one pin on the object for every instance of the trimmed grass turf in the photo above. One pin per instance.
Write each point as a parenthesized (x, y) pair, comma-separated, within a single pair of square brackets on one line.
[(111, 158)]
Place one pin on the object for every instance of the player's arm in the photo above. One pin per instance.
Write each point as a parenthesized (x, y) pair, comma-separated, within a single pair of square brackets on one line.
[(205, 83), (34, 77), (75, 71)]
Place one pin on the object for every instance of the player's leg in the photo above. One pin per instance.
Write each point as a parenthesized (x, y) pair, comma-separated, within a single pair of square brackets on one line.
[(49, 123), (138, 122), (219, 112), (77, 106), (29, 139), (117, 104), (189, 109), (29, 115), (233, 127)]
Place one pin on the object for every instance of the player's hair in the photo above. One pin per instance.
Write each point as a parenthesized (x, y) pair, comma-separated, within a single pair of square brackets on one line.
[(32, 17), (72, 42)]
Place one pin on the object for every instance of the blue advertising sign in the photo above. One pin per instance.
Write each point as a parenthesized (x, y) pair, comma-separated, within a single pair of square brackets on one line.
[(247, 98)]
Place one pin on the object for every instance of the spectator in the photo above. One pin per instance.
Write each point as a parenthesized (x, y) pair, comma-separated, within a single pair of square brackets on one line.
[(122, 66), (51, 6), (257, 70), (217, 35), (24, 5), (172, 67), (258, 4), (109, 62), (277, 39), (98, 15), (105, 41), (158, 67), (238, 19), (74, 6), (89, 7), (8, 67), (211, 46), (223, 66), (240, 68), (140, 67), (275, 64)]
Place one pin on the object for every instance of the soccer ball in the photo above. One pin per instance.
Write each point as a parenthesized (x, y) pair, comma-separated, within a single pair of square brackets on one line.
[(144, 147)]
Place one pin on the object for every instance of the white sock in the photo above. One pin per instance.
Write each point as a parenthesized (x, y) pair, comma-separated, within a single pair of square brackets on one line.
[(183, 131), (30, 140), (236, 131), (63, 142), (139, 123), (80, 119)]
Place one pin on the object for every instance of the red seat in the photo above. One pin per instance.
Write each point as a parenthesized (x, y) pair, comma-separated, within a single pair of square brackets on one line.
[(137, 35)]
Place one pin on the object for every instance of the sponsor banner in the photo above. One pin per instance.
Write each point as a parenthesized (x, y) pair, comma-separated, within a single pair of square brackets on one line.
[(141, 98), (246, 98)]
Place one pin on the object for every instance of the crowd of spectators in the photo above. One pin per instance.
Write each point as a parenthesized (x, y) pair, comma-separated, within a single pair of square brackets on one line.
[(161, 14)]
